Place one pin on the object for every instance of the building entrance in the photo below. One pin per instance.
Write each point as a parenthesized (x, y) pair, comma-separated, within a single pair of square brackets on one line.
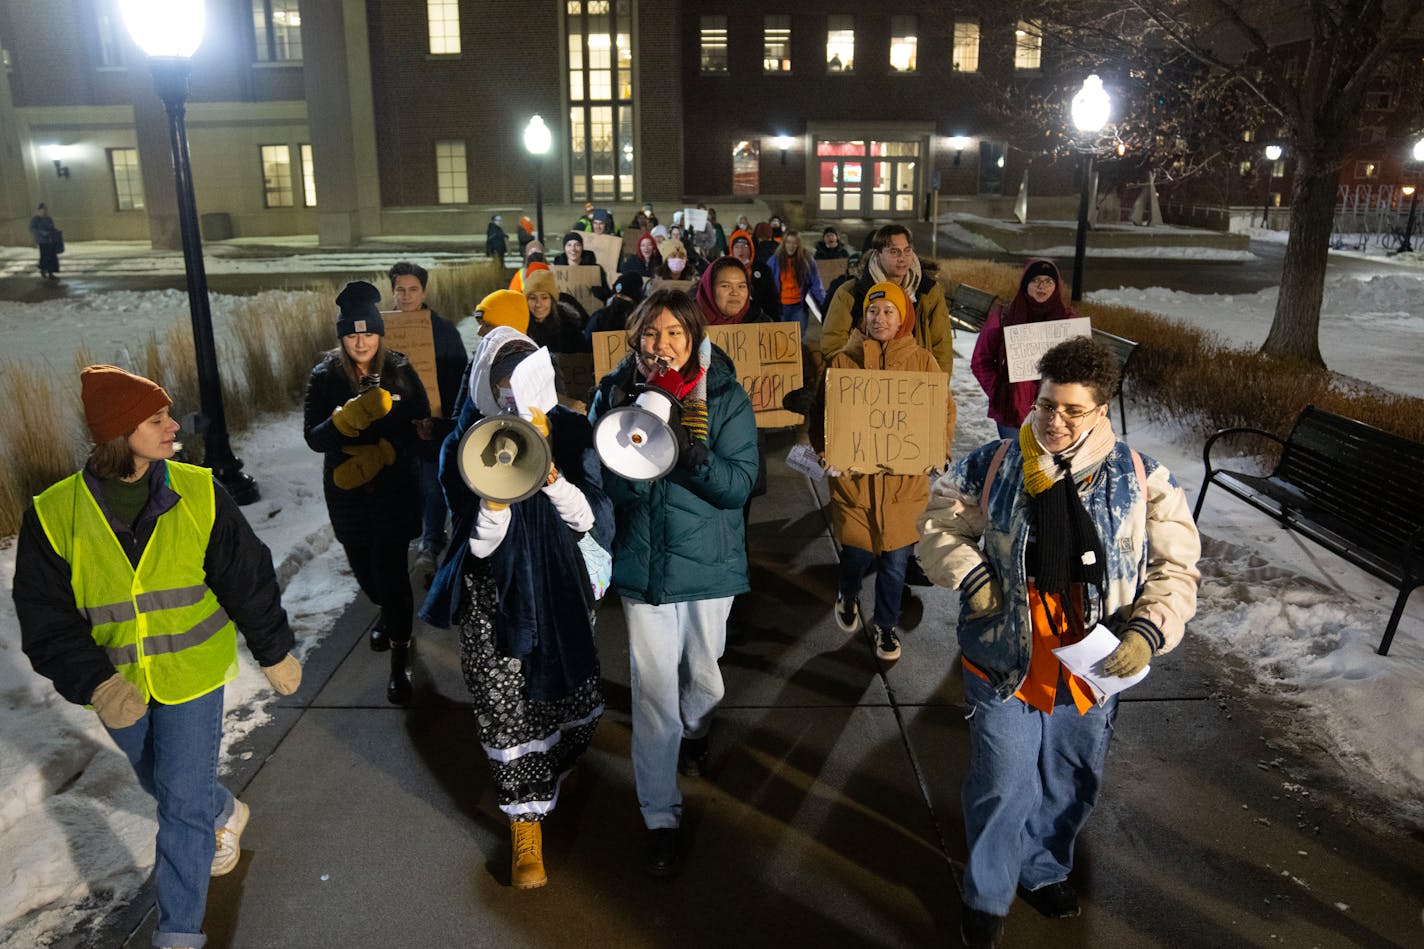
[(863, 178)]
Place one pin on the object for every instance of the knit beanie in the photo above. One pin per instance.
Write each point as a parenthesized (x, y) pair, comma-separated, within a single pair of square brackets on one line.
[(541, 281), (505, 308), (672, 247), (885, 290), (629, 285), (360, 311), (1038, 268), (115, 401)]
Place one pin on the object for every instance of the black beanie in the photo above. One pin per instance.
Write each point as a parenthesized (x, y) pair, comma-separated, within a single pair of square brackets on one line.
[(1039, 268), (573, 236), (359, 303), (630, 285)]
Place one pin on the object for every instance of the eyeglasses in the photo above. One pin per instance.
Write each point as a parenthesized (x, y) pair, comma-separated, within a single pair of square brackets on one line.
[(1046, 282), (1047, 411), (895, 253)]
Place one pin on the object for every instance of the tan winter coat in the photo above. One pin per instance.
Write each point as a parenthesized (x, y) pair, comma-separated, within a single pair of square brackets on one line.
[(879, 512)]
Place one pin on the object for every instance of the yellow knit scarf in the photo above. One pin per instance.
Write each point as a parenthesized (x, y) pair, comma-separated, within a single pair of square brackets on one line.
[(1040, 469)]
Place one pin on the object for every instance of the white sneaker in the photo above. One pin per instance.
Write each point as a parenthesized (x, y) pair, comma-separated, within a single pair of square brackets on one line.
[(230, 839)]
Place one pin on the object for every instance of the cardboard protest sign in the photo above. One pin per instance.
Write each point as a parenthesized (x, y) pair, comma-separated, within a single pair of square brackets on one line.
[(1025, 343), (607, 248), (831, 269), (694, 220), (663, 283), (886, 422), (410, 333), (767, 357), (579, 280), (574, 375)]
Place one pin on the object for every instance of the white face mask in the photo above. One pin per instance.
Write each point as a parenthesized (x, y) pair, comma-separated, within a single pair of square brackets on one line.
[(675, 264), (506, 399)]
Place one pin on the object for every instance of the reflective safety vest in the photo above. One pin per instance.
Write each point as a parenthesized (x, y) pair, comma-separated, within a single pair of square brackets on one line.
[(160, 624)]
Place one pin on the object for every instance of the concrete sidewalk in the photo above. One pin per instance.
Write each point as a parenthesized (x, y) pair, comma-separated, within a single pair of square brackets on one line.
[(830, 818)]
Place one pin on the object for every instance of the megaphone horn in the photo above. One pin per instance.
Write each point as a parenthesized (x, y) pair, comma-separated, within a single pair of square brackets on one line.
[(637, 441), (503, 459)]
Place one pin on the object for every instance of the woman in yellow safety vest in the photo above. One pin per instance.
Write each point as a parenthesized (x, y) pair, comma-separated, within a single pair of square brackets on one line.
[(131, 579)]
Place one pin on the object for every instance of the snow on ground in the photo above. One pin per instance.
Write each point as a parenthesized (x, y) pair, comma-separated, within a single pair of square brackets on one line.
[(1213, 254), (1370, 328), (109, 258), (76, 834)]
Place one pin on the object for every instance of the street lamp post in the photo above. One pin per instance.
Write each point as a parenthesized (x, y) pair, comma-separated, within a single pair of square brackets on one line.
[(1273, 155), (537, 139), (1090, 113), (1406, 246), (169, 32)]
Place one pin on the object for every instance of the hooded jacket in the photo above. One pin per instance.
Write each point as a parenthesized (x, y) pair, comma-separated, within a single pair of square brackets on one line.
[(932, 330), (1009, 402), (682, 538)]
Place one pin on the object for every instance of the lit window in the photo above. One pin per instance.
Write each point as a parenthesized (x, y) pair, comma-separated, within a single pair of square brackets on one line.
[(1028, 46), (450, 173), (714, 44), (1245, 168), (444, 17), (128, 183), (308, 178), (1278, 170), (601, 130), (277, 176), (106, 20), (904, 42), (966, 45), (1249, 135), (840, 42), (776, 44), (1363, 169), (277, 25)]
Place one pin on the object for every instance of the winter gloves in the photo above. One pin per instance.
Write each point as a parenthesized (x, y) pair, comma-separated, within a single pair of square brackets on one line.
[(285, 676), (1135, 651), (360, 411), (118, 703), (982, 592), (692, 434), (365, 463), (539, 420)]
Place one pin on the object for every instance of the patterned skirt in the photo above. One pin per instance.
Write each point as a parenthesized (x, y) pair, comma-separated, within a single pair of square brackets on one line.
[(530, 745)]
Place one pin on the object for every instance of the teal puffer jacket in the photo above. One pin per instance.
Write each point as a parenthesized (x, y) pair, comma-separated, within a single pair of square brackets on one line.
[(681, 538)]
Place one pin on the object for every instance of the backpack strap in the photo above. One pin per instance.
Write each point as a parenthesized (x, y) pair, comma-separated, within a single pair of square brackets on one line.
[(1141, 473), (994, 463)]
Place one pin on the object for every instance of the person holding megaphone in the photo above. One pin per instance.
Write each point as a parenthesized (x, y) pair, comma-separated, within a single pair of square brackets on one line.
[(526, 494), (363, 401), (678, 553)]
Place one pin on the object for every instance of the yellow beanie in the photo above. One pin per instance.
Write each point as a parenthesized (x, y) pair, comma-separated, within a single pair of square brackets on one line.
[(504, 308)]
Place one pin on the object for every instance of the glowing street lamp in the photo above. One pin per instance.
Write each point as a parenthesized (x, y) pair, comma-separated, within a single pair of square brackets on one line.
[(169, 32), (1273, 155), (784, 143), (1090, 110), (1406, 246), (537, 139)]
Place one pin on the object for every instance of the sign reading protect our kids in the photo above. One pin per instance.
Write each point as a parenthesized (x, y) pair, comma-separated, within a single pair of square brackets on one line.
[(767, 357), (1025, 343), (886, 422)]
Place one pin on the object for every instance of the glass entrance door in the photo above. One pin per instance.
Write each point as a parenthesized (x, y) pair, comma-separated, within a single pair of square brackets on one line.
[(862, 178)]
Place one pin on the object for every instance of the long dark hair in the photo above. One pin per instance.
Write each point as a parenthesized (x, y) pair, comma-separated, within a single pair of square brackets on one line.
[(112, 459)]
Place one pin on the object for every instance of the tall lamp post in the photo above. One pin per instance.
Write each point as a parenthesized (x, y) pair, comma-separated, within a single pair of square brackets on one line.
[(537, 139), (1273, 155), (169, 32), (1406, 246), (1090, 113)]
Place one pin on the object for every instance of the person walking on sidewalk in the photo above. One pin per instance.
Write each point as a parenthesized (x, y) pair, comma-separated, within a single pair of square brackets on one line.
[(1046, 536), (49, 239), (517, 588), (1038, 300), (796, 278), (678, 555), (873, 515), (131, 580), (362, 405), (408, 283)]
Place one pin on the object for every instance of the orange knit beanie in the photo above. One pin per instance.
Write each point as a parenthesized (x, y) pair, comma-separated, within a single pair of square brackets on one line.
[(115, 401)]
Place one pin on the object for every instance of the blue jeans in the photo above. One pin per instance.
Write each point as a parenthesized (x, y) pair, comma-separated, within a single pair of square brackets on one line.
[(174, 752), (795, 312), (432, 508), (889, 579), (1032, 782), (673, 651)]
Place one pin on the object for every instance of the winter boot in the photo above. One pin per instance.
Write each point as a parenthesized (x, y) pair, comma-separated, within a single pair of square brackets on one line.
[(526, 870), (399, 689)]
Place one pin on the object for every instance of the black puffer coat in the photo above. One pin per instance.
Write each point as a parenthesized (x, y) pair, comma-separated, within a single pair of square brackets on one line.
[(387, 507)]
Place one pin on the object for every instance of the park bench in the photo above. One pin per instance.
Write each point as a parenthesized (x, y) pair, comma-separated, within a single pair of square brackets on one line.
[(1349, 487), (1123, 349), (969, 308)]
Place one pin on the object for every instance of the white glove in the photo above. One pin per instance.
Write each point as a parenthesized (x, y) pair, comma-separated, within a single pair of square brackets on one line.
[(491, 524), (571, 504)]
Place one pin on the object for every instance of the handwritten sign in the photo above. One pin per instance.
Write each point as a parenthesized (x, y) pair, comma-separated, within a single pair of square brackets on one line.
[(1026, 343), (831, 269), (663, 283), (885, 422), (767, 357), (606, 248), (579, 280), (694, 220), (574, 375), (410, 333)]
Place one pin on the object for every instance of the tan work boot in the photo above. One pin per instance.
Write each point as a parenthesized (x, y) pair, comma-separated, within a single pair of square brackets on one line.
[(229, 840), (527, 867)]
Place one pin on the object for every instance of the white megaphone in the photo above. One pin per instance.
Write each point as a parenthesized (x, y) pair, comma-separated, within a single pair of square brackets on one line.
[(503, 458), (637, 441)]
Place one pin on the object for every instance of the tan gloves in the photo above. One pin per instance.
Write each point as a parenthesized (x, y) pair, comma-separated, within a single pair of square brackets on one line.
[(365, 463), (285, 676), (1135, 651), (982, 592), (118, 703), (539, 420), (360, 411)]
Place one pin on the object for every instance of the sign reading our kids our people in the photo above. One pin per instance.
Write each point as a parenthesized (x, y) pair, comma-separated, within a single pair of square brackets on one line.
[(1025, 343), (886, 422), (767, 357)]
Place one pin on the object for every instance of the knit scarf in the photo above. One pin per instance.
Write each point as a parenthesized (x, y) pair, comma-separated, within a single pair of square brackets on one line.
[(1068, 549), (690, 392), (910, 283)]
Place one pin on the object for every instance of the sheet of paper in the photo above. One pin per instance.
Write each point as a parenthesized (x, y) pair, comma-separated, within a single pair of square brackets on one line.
[(1085, 660), (533, 383), (803, 458)]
